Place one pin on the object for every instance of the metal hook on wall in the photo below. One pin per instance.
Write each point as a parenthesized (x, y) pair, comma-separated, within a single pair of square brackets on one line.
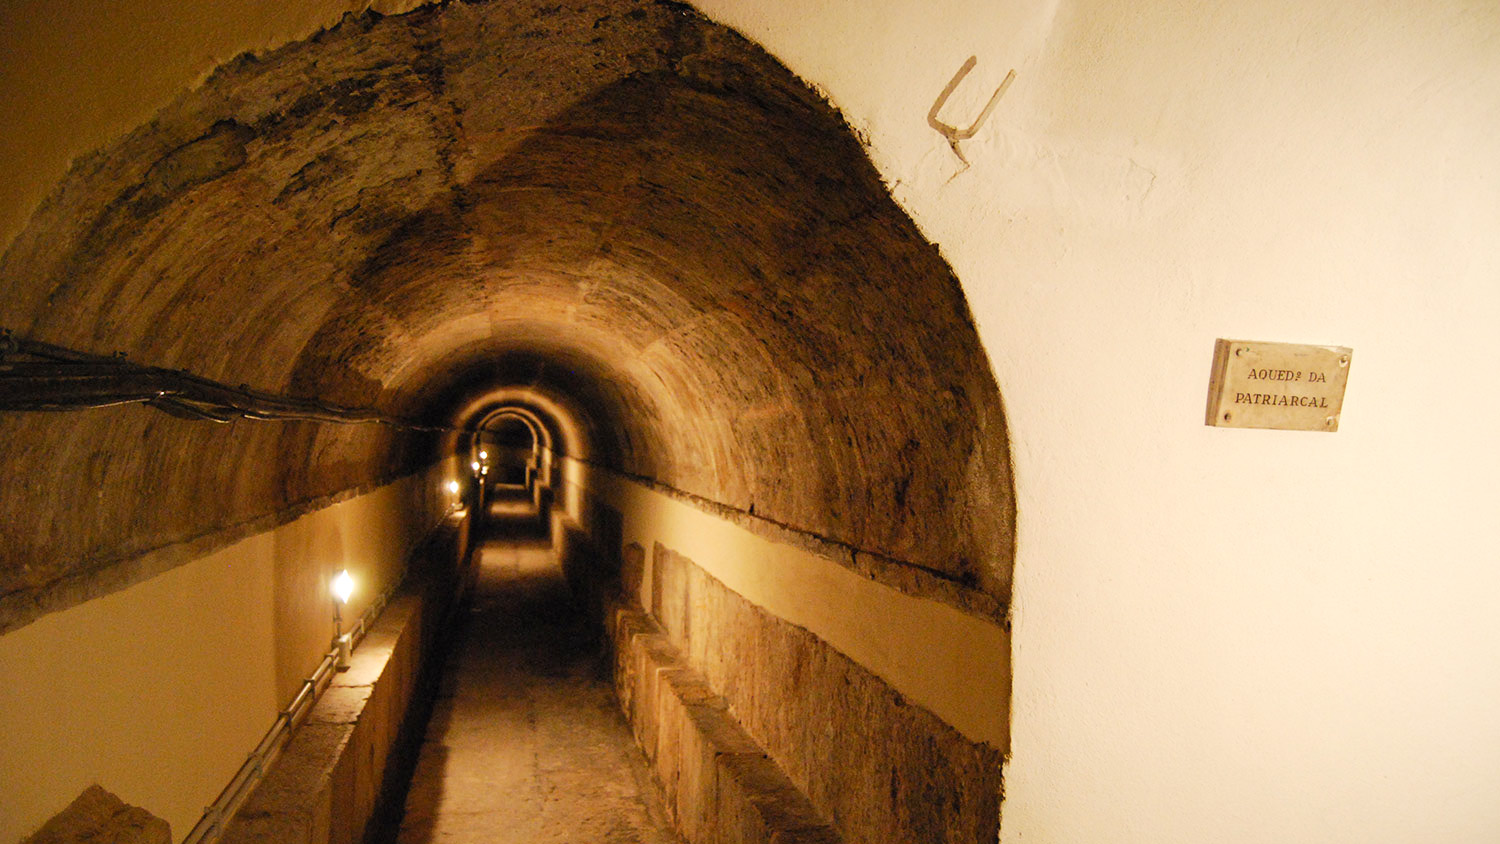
[(953, 133)]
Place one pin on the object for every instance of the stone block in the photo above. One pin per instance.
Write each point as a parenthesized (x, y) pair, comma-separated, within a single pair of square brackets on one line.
[(716, 783), (340, 705), (368, 661), (277, 828), (323, 787), (293, 802), (99, 817), (706, 733), (757, 804), (886, 769), (632, 570)]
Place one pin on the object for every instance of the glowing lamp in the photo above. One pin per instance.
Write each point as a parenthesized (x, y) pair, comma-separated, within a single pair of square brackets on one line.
[(484, 455), (474, 465), (343, 586), (453, 487)]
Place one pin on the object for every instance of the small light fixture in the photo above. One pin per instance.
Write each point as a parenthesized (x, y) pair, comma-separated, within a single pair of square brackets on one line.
[(474, 465), (342, 588), (453, 487), (484, 455)]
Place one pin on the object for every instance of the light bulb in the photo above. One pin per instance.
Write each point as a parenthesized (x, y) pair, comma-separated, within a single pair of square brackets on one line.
[(484, 455), (343, 586), (453, 487)]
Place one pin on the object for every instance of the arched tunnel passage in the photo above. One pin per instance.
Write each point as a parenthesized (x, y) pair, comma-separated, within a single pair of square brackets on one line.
[(618, 226), (517, 447), (525, 742), (522, 445)]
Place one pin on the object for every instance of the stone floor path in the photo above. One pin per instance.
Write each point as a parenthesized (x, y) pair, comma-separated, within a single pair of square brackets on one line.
[(526, 744)]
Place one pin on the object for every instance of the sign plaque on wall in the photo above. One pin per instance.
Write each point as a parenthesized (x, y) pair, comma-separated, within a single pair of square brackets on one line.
[(1287, 386)]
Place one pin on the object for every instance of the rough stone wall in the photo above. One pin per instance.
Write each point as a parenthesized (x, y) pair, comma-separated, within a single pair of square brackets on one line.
[(717, 784), (878, 767), (617, 201), (99, 817)]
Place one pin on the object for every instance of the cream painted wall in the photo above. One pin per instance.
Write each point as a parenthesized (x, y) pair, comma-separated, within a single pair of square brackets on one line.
[(162, 718), (165, 715), (1220, 635)]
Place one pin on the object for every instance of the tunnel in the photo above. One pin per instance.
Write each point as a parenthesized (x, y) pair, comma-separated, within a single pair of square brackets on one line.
[(330, 308)]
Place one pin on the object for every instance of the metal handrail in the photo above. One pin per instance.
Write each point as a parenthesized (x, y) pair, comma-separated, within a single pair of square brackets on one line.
[(211, 825)]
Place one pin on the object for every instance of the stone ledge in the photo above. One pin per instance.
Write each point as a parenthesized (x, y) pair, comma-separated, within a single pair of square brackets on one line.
[(718, 785), (325, 785)]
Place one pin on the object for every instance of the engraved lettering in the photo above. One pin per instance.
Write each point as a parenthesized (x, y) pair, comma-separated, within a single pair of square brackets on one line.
[(1278, 385)]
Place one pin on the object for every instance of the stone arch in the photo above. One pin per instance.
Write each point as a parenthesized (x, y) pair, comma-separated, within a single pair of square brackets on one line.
[(648, 210)]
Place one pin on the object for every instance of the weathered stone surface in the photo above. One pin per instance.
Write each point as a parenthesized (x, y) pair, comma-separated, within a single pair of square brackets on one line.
[(323, 787), (880, 767), (527, 744), (340, 705), (98, 817), (717, 783), (618, 205)]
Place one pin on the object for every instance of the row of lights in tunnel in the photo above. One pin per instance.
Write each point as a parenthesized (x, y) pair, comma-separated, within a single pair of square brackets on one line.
[(341, 589), (342, 584), (480, 468)]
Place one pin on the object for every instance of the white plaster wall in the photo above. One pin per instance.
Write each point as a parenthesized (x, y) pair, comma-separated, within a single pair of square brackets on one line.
[(165, 715), (1220, 635)]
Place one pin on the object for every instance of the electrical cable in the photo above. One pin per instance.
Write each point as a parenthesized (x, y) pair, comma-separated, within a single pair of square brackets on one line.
[(56, 378)]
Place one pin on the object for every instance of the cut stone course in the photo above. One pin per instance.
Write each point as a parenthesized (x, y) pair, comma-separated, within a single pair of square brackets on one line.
[(718, 784), (99, 817)]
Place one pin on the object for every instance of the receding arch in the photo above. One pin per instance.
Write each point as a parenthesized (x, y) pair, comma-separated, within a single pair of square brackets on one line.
[(535, 443)]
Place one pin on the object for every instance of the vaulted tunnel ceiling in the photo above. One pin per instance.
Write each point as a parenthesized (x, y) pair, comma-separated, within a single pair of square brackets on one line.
[(622, 204)]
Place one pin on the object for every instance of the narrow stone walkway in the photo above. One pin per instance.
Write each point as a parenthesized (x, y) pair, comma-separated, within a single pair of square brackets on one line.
[(526, 743)]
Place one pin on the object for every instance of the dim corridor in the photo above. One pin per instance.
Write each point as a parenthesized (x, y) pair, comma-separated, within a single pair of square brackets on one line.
[(526, 742)]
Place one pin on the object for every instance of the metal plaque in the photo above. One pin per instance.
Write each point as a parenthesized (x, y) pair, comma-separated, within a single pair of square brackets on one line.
[(1287, 386)]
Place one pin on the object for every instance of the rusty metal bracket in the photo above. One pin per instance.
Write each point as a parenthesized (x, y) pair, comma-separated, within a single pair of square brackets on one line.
[(953, 133)]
